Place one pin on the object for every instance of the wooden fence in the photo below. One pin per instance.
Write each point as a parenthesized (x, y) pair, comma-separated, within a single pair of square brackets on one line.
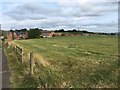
[(19, 53)]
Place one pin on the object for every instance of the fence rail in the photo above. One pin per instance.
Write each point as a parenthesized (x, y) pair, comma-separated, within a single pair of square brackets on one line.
[(19, 53)]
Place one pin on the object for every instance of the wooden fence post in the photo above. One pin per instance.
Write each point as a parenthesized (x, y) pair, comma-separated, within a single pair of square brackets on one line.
[(15, 48), (22, 56), (31, 63)]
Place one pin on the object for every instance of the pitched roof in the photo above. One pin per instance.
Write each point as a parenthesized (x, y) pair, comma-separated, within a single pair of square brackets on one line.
[(46, 33)]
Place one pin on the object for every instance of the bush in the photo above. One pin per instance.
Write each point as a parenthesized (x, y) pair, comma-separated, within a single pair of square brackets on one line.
[(34, 33)]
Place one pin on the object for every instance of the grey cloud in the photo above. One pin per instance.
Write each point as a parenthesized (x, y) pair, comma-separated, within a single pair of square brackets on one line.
[(106, 7), (40, 11), (102, 24), (40, 15), (31, 11), (20, 17)]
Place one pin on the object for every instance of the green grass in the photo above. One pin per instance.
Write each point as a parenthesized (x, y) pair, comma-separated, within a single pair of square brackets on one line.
[(19, 76), (76, 61)]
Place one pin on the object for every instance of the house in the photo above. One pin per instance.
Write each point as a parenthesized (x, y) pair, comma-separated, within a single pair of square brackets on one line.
[(72, 35), (56, 35), (20, 35), (47, 33), (65, 34), (10, 36), (17, 35)]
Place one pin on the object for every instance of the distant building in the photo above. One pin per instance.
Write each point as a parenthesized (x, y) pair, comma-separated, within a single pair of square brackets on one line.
[(57, 34), (20, 35), (10, 36), (47, 33), (65, 34), (17, 35)]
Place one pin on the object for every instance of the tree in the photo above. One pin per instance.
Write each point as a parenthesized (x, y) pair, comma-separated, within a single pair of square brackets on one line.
[(24, 30), (40, 29), (74, 30), (34, 33), (61, 30), (11, 30), (85, 31), (17, 30)]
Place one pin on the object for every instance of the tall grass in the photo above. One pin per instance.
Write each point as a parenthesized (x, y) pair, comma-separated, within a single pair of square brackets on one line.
[(75, 62)]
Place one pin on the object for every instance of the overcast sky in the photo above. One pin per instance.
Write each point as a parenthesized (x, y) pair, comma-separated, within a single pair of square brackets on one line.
[(94, 16)]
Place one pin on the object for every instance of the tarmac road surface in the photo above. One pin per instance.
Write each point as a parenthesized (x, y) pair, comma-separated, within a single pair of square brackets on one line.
[(4, 70)]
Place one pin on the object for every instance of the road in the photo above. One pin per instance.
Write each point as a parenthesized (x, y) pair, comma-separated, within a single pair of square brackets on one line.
[(0, 68), (4, 71)]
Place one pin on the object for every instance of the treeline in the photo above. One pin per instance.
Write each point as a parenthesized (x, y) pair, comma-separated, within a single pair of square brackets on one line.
[(74, 31), (36, 32)]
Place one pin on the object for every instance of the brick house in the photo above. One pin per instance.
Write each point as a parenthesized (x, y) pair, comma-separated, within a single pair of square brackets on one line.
[(65, 34), (10, 36), (70, 34), (20, 35), (47, 33), (56, 35), (17, 35)]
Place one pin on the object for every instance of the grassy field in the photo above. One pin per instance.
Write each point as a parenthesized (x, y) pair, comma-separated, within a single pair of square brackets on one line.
[(76, 61)]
